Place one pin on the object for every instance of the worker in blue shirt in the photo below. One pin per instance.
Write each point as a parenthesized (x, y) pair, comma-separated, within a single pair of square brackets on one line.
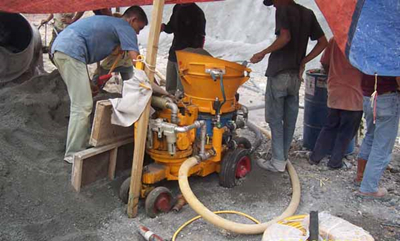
[(88, 41)]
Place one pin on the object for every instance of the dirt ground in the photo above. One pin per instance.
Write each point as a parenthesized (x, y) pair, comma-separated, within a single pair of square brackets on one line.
[(37, 201)]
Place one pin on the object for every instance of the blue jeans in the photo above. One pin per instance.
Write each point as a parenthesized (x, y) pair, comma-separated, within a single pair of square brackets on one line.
[(379, 140), (281, 109)]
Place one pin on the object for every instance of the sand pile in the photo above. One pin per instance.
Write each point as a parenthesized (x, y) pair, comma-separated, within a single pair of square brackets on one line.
[(36, 198), (33, 120), (33, 124)]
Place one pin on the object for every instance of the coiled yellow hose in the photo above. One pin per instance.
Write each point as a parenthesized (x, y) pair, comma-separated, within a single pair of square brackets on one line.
[(218, 221)]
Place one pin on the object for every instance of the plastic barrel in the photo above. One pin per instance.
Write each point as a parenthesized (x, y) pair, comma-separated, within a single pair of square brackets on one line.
[(316, 109)]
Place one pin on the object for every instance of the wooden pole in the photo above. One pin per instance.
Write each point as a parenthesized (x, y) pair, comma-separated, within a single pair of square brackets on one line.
[(142, 123)]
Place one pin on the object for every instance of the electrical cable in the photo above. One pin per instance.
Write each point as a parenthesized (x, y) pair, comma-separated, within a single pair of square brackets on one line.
[(293, 221), (216, 212)]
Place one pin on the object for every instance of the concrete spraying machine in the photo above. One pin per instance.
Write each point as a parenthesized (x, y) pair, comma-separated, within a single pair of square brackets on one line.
[(202, 124)]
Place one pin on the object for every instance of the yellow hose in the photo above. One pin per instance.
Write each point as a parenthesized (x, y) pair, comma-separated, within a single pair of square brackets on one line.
[(218, 221)]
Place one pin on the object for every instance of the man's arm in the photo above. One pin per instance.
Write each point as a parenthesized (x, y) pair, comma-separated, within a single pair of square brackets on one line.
[(398, 82), (326, 56), (318, 48), (170, 26), (133, 55), (322, 42), (283, 39)]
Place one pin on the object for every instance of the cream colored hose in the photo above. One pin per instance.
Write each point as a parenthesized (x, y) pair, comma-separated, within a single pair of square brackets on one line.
[(227, 224)]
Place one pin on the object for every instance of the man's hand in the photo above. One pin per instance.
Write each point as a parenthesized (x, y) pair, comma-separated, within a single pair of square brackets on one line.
[(257, 57), (95, 89), (162, 27), (133, 55), (301, 70)]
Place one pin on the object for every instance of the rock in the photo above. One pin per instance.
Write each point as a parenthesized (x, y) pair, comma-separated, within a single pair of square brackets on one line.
[(394, 201), (393, 169)]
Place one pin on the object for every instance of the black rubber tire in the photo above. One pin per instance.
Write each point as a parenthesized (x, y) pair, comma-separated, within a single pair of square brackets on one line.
[(151, 200), (124, 190), (227, 175)]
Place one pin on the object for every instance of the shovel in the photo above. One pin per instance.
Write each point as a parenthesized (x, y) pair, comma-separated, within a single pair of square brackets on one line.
[(102, 80)]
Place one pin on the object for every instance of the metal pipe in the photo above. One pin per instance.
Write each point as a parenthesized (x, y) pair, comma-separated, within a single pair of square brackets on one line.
[(257, 132), (262, 106), (203, 134), (149, 138), (256, 107), (179, 203), (245, 111), (207, 155), (166, 103), (183, 129), (158, 102), (174, 112)]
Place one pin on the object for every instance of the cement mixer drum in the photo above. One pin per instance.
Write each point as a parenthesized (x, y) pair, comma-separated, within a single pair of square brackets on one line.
[(20, 47)]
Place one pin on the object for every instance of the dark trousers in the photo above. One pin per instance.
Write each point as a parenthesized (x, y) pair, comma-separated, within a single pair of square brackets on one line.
[(336, 135)]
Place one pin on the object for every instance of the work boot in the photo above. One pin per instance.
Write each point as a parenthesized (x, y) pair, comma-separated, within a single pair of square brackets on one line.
[(381, 194), (361, 163)]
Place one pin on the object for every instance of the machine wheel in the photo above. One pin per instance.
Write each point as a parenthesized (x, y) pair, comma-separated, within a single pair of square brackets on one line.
[(235, 165), (124, 190), (159, 200)]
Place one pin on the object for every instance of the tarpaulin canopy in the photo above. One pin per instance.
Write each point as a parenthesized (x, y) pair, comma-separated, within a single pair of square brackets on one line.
[(63, 6), (367, 31)]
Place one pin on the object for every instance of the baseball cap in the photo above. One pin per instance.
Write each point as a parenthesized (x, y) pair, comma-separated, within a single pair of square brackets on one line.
[(268, 3)]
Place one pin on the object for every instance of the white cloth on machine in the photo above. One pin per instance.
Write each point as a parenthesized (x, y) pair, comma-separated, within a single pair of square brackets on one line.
[(127, 110)]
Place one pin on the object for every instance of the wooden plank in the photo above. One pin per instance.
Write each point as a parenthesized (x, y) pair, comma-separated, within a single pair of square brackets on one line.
[(95, 163), (76, 179), (112, 163), (103, 132), (142, 123), (95, 168), (97, 150)]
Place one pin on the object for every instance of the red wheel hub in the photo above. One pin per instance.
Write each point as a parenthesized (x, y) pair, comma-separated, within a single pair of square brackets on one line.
[(163, 202), (243, 167)]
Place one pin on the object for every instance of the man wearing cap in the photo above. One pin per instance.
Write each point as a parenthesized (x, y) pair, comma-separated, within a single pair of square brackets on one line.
[(294, 25)]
